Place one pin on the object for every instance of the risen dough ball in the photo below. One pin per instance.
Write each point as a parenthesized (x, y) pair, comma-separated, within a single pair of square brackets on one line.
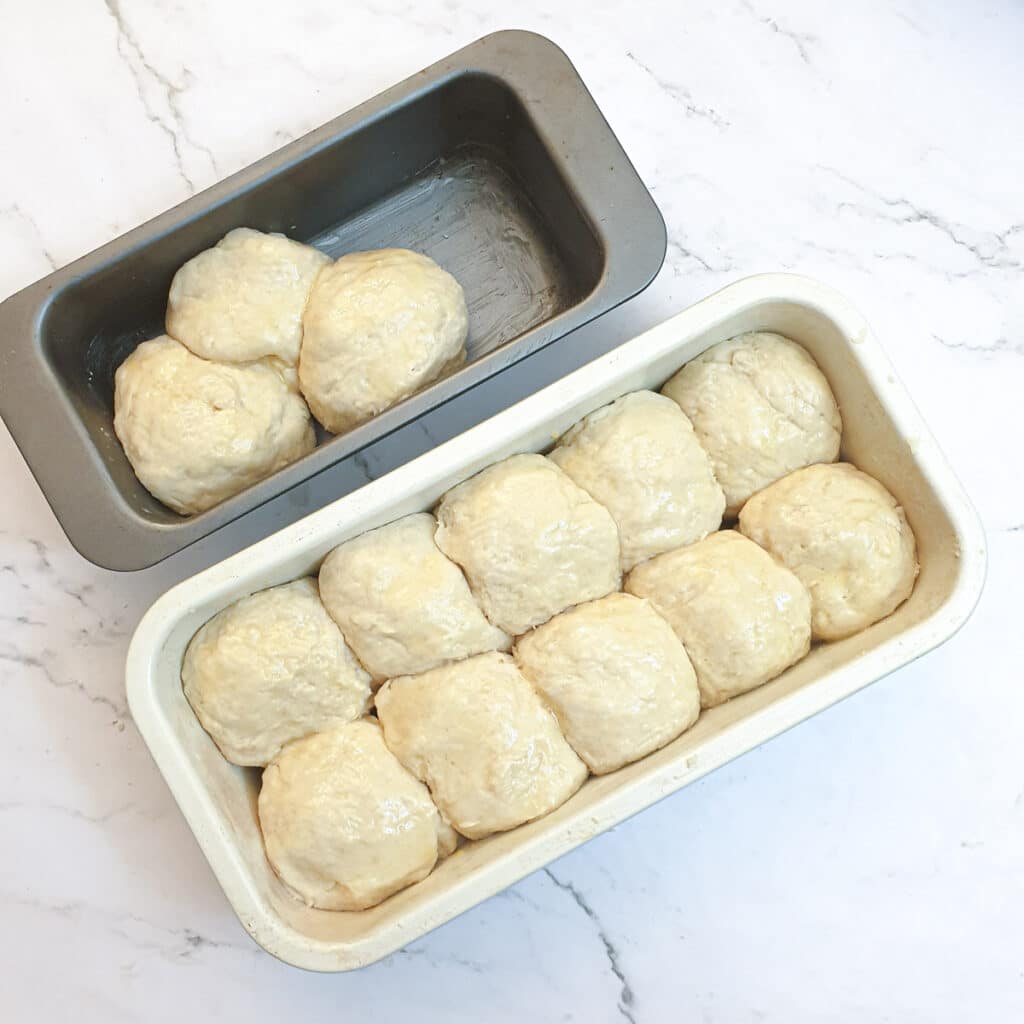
[(639, 458), (379, 327), (847, 539), (530, 541), (243, 299), (269, 669), (742, 617), (479, 736), (401, 604), (616, 676), (761, 408), (344, 824), (198, 432)]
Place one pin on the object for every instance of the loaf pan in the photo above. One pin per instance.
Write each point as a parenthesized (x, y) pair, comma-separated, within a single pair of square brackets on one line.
[(496, 162), (883, 434)]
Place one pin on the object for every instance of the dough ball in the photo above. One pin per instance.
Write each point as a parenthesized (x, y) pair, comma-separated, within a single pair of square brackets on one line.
[(479, 736), (379, 327), (344, 824), (761, 408), (197, 432), (742, 617), (616, 677), (243, 299), (269, 669), (401, 604), (530, 541), (847, 539), (640, 458)]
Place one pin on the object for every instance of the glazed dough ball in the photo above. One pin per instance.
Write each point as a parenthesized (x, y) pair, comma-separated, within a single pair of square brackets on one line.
[(741, 616), (640, 458), (401, 604), (530, 541), (479, 736), (616, 677), (761, 408), (198, 432), (243, 299), (344, 824), (847, 539), (269, 669), (379, 327)]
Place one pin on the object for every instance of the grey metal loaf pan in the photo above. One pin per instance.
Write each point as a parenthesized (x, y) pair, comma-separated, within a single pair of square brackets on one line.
[(496, 162)]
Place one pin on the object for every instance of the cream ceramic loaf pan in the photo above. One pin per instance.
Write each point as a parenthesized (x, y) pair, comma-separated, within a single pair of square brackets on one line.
[(883, 435)]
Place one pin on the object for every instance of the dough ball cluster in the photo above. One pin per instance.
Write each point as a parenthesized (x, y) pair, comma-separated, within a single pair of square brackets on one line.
[(527, 556), (197, 432), (357, 335)]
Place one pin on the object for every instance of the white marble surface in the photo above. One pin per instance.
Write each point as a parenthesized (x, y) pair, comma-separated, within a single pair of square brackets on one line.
[(866, 866)]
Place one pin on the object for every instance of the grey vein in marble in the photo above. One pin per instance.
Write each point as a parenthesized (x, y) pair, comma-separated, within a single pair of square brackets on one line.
[(681, 95), (626, 998), (15, 210), (1002, 344), (130, 50), (191, 942), (30, 661), (800, 40), (990, 249)]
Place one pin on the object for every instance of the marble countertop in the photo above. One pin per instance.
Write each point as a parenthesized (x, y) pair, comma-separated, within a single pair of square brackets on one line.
[(868, 865)]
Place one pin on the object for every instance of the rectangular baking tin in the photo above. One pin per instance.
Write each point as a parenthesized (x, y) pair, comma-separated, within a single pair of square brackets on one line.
[(884, 435), (496, 162)]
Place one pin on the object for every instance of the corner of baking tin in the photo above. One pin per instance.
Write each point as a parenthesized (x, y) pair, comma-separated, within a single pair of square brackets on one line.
[(520, 40)]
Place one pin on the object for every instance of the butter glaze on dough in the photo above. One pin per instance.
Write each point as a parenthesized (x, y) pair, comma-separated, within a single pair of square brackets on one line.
[(640, 458), (271, 668), (243, 299), (379, 326), (197, 432), (344, 824), (403, 606), (616, 676), (845, 536), (741, 616), (530, 541), (479, 736), (761, 408)]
